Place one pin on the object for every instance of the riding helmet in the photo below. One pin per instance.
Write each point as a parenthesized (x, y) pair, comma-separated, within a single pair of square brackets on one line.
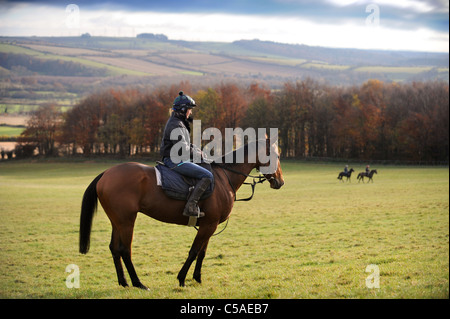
[(183, 102)]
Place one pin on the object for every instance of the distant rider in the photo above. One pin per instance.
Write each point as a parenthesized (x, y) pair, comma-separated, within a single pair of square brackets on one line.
[(346, 170)]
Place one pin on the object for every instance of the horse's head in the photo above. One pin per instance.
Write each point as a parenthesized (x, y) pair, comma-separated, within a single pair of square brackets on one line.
[(375, 171), (271, 168), (352, 170)]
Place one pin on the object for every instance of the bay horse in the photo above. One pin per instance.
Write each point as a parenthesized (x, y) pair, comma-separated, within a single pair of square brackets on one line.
[(126, 189), (361, 175), (348, 175)]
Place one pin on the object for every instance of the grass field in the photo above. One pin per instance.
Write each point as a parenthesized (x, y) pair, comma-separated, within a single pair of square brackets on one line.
[(10, 131), (313, 238)]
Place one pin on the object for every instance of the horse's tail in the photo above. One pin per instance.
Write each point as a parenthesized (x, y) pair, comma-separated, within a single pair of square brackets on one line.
[(88, 208)]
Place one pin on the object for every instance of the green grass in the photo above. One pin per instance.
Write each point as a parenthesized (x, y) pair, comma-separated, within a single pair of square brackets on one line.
[(311, 239), (191, 73), (325, 66), (277, 60), (394, 69), (15, 49), (18, 108), (10, 131)]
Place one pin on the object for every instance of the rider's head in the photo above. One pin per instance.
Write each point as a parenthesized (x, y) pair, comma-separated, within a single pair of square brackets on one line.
[(183, 103)]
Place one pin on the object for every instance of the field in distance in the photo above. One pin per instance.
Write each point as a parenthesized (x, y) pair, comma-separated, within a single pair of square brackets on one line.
[(62, 70)]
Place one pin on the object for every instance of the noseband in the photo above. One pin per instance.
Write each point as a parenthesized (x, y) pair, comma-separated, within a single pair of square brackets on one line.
[(256, 180)]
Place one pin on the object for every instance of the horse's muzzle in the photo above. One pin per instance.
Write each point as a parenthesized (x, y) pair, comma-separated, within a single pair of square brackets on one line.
[(276, 183)]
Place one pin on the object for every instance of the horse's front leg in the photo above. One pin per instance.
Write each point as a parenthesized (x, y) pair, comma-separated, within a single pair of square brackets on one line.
[(200, 241)]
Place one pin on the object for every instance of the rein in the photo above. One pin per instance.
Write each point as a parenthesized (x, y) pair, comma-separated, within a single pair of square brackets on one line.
[(256, 180)]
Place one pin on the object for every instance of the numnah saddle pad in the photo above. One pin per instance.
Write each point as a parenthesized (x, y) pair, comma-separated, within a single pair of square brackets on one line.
[(176, 186)]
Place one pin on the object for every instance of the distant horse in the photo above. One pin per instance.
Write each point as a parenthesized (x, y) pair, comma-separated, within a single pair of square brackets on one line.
[(348, 175), (129, 188), (369, 175)]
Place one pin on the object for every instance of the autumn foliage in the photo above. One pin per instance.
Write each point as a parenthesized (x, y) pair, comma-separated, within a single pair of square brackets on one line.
[(378, 121)]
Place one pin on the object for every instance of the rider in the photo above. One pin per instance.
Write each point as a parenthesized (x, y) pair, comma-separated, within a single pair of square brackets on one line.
[(367, 170), (180, 119), (346, 169)]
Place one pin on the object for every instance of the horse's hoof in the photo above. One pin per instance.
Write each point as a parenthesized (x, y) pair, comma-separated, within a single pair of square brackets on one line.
[(181, 280), (140, 286), (198, 279)]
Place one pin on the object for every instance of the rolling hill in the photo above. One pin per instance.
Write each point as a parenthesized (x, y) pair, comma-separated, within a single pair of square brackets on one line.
[(35, 70)]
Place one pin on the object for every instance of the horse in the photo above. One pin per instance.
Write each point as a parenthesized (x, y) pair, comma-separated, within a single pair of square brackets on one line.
[(126, 189), (348, 175), (361, 175)]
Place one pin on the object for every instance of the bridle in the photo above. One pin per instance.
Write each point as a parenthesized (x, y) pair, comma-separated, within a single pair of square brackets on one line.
[(256, 180)]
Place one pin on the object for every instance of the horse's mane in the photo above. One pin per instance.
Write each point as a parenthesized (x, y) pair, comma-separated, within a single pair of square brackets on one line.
[(245, 148), (222, 160)]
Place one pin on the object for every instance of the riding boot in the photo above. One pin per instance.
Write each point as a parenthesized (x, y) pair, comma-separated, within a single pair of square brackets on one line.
[(191, 208)]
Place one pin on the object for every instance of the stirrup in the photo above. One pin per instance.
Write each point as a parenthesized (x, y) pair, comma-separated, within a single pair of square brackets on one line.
[(197, 214)]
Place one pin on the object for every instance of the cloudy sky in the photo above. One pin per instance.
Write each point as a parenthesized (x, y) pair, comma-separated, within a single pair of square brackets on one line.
[(420, 25)]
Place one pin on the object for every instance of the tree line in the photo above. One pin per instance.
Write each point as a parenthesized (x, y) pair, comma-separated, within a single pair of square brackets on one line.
[(373, 121)]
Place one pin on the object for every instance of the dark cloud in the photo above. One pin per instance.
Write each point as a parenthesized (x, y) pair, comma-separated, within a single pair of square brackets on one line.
[(404, 16), (395, 15)]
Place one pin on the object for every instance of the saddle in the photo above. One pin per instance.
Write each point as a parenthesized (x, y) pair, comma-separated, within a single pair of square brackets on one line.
[(177, 186)]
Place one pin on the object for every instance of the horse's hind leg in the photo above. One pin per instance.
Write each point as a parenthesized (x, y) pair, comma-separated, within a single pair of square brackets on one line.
[(126, 237), (114, 246)]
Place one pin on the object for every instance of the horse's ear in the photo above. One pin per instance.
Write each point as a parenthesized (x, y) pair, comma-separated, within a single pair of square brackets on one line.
[(271, 140), (267, 142), (274, 139)]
